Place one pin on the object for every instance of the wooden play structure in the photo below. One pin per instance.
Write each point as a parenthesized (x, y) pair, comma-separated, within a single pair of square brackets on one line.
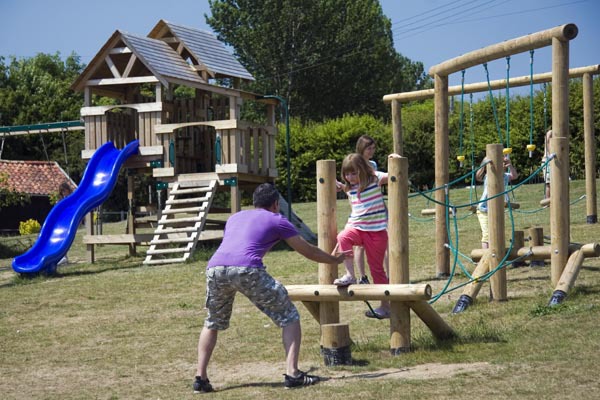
[(565, 259), (193, 143), (322, 300)]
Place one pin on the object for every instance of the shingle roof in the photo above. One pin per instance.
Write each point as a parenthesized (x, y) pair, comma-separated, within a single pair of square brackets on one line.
[(208, 50), (160, 58), (34, 177)]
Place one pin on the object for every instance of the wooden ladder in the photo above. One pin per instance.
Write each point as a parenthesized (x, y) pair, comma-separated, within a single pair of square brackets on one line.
[(181, 222)]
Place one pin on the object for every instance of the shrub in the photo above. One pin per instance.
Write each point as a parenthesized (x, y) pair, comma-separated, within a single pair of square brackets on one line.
[(29, 227)]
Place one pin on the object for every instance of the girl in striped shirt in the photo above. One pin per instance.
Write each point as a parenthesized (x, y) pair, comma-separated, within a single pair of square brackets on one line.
[(367, 224)]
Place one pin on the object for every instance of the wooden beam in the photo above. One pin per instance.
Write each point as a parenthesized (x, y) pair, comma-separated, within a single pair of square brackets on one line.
[(483, 86), (515, 46), (398, 292)]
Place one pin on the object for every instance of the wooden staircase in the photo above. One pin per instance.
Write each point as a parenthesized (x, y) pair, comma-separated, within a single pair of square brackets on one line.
[(181, 222)]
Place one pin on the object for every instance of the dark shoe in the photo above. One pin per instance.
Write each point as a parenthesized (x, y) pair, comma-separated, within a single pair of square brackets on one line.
[(202, 385), (377, 313), (303, 379), (364, 280), (537, 263)]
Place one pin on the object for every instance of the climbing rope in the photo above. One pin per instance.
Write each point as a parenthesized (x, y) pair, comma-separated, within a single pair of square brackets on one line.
[(491, 96)]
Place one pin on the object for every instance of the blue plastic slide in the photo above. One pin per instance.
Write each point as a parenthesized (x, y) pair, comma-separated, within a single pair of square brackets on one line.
[(60, 227)]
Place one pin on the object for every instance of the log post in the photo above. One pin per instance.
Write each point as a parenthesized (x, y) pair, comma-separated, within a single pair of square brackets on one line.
[(335, 344), (497, 247), (472, 289), (518, 241), (327, 234), (568, 277), (559, 173), (398, 251), (397, 126), (432, 319), (559, 208), (131, 212), (590, 149), (441, 173)]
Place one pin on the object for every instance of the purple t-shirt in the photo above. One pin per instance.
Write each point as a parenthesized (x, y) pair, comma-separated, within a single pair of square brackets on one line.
[(249, 235)]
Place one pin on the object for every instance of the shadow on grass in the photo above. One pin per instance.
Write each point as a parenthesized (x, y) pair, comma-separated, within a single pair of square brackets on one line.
[(67, 271)]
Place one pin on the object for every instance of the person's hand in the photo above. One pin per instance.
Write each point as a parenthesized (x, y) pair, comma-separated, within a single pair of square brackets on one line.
[(341, 256), (339, 186)]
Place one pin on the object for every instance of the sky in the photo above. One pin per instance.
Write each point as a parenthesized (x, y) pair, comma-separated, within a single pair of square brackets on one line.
[(429, 31)]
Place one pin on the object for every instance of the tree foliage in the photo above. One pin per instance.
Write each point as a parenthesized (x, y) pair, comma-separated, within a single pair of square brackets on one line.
[(37, 90), (326, 58)]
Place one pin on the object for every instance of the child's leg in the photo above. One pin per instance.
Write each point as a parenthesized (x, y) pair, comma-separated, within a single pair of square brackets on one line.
[(375, 245), (359, 257), (347, 239)]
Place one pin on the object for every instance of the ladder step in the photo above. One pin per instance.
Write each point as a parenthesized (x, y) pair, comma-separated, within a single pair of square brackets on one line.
[(186, 201), (174, 240), (164, 261), (192, 190), (182, 210), (168, 251), (175, 230), (164, 221)]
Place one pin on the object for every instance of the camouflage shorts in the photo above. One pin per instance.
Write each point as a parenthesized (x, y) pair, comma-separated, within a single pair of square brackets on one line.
[(269, 295)]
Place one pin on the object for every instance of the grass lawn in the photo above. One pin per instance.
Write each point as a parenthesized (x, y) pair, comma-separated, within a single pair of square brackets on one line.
[(117, 329)]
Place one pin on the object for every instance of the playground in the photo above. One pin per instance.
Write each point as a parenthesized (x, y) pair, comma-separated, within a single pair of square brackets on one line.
[(131, 322), (137, 326)]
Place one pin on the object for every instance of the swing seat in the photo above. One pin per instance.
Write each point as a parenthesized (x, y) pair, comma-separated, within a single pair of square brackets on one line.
[(545, 202), (428, 211), (514, 206)]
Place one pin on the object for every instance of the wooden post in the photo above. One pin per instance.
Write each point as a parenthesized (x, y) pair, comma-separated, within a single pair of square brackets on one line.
[(131, 212), (568, 277), (397, 127), (398, 219), (89, 230), (536, 236), (398, 251), (590, 149), (518, 241), (441, 173), (559, 173), (471, 291), (335, 344), (495, 186), (559, 208), (327, 234), (438, 326)]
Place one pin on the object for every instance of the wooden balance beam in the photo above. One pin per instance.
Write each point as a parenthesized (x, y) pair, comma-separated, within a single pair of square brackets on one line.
[(414, 296), (399, 292)]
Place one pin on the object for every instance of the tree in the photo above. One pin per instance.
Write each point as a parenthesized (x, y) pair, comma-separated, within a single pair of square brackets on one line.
[(326, 58), (35, 90)]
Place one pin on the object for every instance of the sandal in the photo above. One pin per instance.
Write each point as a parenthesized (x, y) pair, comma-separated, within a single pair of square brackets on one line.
[(345, 280), (377, 313)]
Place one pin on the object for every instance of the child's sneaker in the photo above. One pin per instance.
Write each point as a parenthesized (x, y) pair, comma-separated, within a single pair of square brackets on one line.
[(202, 385), (345, 280), (303, 379), (364, 280)]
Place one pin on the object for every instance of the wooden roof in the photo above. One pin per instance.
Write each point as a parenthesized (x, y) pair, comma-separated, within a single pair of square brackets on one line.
[(170, 54), (34, 177), (209, 53)]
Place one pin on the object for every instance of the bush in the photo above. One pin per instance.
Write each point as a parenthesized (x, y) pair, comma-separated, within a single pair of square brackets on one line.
[(29, 227)]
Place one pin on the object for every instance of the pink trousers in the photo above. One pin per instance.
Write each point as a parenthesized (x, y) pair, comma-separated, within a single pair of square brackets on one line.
[(375, 245)]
